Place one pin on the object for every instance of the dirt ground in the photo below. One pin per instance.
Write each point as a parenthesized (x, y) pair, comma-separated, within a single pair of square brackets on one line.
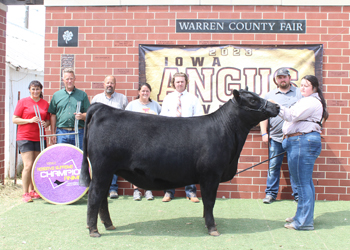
[(10, 194)]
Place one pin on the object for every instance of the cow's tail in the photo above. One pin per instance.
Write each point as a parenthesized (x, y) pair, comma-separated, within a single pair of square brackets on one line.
[(85, 179)]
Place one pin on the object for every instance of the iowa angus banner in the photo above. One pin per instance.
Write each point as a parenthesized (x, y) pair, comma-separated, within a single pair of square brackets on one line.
[(215, 70)]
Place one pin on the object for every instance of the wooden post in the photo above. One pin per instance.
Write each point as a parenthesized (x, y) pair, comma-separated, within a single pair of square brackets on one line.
[(16, 154)]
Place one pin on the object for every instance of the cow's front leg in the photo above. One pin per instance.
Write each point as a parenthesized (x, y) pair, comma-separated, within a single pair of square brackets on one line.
[(208, 191), (104, 214)]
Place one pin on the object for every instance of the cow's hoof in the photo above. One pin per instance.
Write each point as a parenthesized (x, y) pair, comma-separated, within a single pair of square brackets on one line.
[(95, 234), (214, 233), (110, 227)]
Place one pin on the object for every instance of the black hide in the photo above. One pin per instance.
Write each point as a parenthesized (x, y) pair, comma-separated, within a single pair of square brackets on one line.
[(158, 153)]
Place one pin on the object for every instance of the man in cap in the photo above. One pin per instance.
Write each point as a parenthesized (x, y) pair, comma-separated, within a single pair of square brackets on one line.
[(285, 94)]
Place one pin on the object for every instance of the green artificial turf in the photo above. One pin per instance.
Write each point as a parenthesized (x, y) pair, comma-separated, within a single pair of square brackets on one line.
[(243, 224)]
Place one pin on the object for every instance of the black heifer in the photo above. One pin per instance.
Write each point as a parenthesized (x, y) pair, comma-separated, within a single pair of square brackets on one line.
[(158, 153)]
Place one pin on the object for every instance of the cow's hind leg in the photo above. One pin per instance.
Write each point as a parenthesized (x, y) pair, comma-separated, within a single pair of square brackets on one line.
[(92, 213), (98, 198), (208, 191), (104, 214)]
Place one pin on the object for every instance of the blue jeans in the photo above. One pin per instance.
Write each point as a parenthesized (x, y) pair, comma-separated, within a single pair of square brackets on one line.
[(273, 175), (114, 184), (70, 139), (303, 151), (188, 189)]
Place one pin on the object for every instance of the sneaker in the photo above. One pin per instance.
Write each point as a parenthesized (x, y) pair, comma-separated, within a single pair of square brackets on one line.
[(113, 195), (34, 195), (26, 198), (167, 197), (149, 195), (137, 195), (268, 199)]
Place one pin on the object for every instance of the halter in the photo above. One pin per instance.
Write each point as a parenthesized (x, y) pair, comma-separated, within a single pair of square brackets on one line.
[(262, 108)]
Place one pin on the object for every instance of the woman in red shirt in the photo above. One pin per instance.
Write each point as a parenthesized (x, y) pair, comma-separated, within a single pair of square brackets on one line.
[(28, 138)]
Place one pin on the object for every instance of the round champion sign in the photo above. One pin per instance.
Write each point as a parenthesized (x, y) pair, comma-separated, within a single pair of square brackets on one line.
[(56, 172)]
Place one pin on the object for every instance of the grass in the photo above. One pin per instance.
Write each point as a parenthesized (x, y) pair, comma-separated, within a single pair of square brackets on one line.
[(243, 224)]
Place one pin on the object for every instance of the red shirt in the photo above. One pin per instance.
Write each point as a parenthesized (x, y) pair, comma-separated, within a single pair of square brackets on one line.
[(25, 110)]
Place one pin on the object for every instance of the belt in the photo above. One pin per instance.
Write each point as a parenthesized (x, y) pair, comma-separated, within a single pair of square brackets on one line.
[(70, 129), (291, 135)]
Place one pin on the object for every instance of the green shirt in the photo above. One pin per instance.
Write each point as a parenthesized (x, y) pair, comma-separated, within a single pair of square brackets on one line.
[(64, 105)]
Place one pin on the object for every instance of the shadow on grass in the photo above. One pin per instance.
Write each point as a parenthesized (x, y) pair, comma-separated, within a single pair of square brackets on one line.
[(331, 220), (192, 227), (195, 226)]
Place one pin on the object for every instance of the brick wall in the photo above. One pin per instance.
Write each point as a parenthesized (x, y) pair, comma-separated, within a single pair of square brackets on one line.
[(2, 92), (114, 33)]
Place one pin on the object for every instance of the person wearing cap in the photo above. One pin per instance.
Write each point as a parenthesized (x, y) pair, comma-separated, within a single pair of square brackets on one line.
[(286, 94)]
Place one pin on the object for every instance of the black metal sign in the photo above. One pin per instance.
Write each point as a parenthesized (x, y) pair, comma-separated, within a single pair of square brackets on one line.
[(68, 36), (240, 26)]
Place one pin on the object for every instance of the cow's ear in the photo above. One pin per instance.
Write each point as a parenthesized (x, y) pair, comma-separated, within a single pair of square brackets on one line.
[(246, 88), (236, 95)]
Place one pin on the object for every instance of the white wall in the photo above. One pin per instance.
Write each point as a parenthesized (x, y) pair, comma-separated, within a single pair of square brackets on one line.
[(16, 81), (24, 63)]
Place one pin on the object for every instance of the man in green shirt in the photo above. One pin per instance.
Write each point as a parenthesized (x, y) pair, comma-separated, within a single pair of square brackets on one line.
[(63, 107)]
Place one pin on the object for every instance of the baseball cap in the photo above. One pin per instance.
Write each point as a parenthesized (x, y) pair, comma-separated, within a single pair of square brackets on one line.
[(283, 72)]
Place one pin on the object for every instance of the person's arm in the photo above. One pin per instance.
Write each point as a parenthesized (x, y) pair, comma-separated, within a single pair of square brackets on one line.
[(45, 123), (20, 121), (302, 110), (165, 108), (264, 132), (198, 108), (129, 107), (126, 103), (159, 109), (53, 120)]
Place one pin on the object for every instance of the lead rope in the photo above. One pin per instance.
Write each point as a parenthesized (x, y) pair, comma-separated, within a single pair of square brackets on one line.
[(260, 163)]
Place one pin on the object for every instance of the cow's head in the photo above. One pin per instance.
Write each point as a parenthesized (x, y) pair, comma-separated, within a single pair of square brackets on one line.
[(254, 106)]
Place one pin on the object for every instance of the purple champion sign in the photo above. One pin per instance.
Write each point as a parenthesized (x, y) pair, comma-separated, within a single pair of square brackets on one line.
[(56, 173)]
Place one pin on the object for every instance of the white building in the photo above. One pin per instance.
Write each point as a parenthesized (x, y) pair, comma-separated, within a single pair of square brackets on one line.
[(24, 63)]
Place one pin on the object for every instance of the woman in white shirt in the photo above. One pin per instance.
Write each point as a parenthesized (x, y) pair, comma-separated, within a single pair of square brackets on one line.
[(143, 104)]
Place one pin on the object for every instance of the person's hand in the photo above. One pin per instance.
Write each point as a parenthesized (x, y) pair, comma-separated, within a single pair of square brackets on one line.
[(265, 138), (53, 139), (35, 119), (44, 124), (79, 116)]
